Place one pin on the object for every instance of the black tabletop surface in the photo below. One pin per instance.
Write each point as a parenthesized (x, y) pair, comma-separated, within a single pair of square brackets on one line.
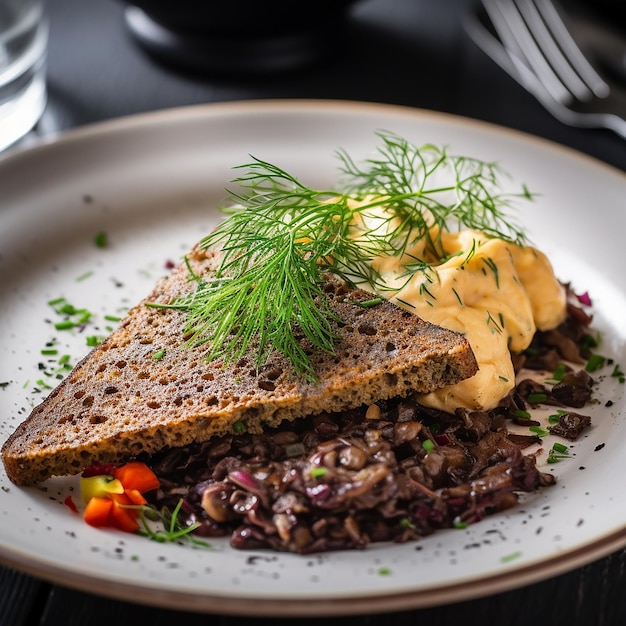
[(408, 52)]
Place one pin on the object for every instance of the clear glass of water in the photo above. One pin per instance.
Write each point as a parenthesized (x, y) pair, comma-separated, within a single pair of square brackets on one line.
[(23, 43)]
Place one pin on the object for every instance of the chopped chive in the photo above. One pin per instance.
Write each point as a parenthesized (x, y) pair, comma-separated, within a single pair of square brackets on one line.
[(511, 557), (159, 354), (617, 373), (85, 317), (318, 472), (93, 340), (63, 360), (594, 363), (100, 239), (503, 379), (370, 303), (540, 432), (84, 276), (559, 372), (112, 318), (239, 427), (56, 301), (558, 453), (588, 342), (49, 352), (65, 325), (384, 571), (428, 445), (525, 415), (537, 398)]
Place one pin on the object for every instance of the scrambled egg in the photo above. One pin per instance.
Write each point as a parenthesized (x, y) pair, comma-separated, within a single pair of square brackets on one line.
[(495, 293)]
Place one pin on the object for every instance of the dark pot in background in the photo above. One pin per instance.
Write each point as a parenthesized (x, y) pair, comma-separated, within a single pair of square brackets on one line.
[(238, 36)]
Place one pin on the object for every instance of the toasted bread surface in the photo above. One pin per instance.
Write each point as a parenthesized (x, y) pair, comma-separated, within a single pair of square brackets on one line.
[(120, 401)]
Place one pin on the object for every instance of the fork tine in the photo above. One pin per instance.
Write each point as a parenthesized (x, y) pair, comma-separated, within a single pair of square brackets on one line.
[(570, 48), (550, 36), (514, 34), (494, 45)]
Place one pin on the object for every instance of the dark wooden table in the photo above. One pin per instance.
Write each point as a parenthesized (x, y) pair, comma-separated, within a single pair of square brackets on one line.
[(409, 52)]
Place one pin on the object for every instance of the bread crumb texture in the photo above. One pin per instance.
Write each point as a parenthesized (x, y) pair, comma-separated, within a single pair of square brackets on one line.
[(120, 402)]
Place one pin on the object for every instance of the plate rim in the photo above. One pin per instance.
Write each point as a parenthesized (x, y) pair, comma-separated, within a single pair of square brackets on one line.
[(110, 126), (305, 606)]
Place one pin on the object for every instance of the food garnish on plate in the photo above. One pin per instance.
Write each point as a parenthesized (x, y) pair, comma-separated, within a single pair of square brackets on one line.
[(327, 368)]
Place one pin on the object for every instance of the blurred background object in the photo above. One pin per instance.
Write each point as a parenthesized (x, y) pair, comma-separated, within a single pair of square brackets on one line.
[(23, 41), (531, 41), (239, 36)]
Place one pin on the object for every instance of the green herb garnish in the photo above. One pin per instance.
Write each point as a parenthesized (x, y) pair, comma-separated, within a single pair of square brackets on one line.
[(428, 445), (539, 431), (173, 530), (617, 373), (558, 452), (100, 240), (595, 362), (559, 372), (555, 417), (281, 237), (511, 557), (318, 472), (239, 428)]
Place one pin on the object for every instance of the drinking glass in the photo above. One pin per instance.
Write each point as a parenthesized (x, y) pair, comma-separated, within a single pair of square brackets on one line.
[(23, 43)]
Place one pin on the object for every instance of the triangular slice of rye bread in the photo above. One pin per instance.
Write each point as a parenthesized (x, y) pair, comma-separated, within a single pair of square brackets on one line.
[(119, 401)]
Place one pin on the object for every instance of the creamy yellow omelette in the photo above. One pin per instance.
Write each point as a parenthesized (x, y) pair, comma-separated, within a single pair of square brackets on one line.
[(494, 292)]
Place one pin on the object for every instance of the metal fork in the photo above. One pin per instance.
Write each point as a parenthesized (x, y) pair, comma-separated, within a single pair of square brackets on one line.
[(530, 41)]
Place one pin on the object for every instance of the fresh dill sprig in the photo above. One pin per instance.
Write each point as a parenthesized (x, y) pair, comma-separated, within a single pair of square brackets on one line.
[(280, 238), (426, 186), (172, 529)]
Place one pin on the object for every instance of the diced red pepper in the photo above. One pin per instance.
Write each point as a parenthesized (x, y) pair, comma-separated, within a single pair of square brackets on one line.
[(114, 493), (97, 512), (70, 504), (135, 496), (136, 475), (121, 517)]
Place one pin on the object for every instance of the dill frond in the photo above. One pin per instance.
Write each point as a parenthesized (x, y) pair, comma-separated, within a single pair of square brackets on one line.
[(281, 237)]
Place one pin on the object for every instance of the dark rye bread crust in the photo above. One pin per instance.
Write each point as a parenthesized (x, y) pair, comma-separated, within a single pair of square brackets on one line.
[(119, 401)]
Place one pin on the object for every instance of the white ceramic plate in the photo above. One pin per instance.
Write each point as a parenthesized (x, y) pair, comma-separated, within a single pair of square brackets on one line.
[(152, 184)]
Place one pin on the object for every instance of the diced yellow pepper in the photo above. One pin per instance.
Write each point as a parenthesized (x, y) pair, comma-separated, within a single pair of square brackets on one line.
[(99, 487)]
